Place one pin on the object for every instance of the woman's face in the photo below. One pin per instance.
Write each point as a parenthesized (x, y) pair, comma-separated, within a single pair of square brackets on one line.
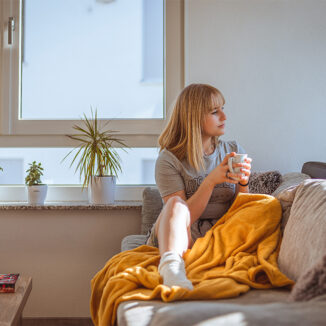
[(214, 122)]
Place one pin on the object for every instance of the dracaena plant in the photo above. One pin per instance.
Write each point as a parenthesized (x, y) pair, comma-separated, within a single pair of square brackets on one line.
[(95, 153), (35, 171)]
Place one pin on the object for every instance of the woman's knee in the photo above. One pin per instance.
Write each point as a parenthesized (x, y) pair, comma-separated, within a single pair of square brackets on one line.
[(177, 207), (175, 200)]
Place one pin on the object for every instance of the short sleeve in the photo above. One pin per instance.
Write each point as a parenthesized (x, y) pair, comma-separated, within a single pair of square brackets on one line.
[(240, 149), (232, 146), (167, 175)]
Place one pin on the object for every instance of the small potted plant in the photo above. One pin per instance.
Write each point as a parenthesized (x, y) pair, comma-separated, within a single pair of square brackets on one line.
[(98, 161), (36, 190)]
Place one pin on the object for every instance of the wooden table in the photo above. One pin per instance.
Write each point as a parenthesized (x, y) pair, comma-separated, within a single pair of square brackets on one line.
[(12, 304)]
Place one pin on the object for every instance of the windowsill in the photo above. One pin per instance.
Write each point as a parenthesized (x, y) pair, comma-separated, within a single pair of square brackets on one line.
[(76, 205), (62, 194)]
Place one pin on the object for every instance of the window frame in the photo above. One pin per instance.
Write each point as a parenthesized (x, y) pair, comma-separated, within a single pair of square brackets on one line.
[(135, 132)]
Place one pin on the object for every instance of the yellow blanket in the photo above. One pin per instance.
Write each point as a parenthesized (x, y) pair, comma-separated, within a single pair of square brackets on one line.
[(239, 252)]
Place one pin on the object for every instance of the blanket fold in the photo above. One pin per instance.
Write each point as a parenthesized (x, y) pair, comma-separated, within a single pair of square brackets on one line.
[(238, 253)]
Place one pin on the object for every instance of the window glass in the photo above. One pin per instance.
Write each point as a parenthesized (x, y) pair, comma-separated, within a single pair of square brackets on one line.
[(107, 54), (137, 165)]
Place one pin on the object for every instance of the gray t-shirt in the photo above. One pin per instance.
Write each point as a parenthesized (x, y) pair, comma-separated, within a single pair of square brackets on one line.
[(172, 175)]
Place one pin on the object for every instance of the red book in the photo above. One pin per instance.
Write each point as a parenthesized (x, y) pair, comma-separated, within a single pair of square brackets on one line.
[(7, 282)]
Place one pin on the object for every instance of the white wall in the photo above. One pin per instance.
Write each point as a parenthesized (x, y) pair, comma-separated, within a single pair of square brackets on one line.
[(62, 250), (268, 59)]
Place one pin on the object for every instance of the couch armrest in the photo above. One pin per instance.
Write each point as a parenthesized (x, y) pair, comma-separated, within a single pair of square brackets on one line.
[(316, 170), (133, 241)]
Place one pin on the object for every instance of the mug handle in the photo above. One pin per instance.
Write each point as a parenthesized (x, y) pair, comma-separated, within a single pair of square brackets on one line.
[(230, 162)]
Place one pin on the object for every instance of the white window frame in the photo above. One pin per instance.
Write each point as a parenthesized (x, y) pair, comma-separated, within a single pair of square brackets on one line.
[(52, 133), (135, 132)]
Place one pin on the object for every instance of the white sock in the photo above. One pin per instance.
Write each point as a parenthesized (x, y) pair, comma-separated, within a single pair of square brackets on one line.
[(172, 269)]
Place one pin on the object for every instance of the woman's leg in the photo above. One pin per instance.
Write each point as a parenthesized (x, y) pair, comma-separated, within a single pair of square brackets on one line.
[(173, 232), (173, 227)]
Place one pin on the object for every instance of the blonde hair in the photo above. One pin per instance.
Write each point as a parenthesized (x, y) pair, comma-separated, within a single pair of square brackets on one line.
[(182, 135)]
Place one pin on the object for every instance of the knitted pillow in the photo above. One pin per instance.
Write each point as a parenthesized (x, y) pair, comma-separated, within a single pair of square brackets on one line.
[(264, 182), (310, 284)]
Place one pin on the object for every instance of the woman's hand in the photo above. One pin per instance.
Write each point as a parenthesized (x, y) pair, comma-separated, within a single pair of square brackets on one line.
[(221, 173), (245, 170)]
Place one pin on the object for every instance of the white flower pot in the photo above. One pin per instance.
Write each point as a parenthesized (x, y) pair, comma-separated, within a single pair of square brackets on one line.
[(101, 190), (37, 194)]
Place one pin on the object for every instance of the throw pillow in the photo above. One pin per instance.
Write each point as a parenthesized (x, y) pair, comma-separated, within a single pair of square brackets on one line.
[(311, 284), (264, 182), (286, 198), (304, 241), (289, 180), (152, 206)]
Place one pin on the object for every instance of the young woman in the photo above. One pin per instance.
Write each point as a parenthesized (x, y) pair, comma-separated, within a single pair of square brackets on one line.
[(193, 177)]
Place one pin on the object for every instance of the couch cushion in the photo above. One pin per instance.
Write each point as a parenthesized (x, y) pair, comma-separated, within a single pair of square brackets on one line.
[(152, 206), (133, 241), (286, 198), (289, 180), (256, 307), (304, 239)]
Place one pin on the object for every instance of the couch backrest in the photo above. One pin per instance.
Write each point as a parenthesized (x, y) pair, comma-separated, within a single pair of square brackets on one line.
[(152, 201), (304, 238), (262, 182)]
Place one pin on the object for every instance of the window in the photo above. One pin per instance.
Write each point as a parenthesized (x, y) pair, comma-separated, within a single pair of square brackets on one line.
[(137, 165), (59, 58), (95, 56)]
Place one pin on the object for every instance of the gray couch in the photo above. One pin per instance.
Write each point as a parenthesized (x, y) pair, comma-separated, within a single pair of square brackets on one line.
[(303, 247)]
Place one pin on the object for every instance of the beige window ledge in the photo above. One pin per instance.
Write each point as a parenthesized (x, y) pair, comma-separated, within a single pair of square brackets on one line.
[(118, 205)]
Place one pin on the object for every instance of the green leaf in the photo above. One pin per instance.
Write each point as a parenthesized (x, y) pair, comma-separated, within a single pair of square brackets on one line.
[(94, 154), (34, 174)]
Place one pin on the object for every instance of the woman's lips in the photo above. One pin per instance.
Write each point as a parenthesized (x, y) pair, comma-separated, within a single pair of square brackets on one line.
[(221, 126)]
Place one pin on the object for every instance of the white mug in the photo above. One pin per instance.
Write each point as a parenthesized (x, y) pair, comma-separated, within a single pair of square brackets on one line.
[(238, 158)]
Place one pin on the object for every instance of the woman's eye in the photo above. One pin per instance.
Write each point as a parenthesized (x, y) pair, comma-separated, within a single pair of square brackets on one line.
[(217, 110)]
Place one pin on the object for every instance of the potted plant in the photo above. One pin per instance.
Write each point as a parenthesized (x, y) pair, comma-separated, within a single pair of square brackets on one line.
[(98, 161), (36, 190)]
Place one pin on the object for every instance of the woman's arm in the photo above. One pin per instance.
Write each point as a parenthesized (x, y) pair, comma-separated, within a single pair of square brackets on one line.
[(240, 188), (198, 201), (246, 169)]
